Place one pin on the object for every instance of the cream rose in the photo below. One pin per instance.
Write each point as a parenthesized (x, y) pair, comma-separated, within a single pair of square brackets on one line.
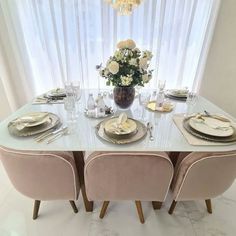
[(113, 67), (145, 78), (133, 62), (130, 44), (121, 45), (143, 63), (126, 80)]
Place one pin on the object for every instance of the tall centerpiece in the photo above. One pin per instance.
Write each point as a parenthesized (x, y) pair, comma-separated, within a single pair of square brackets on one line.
[(124, 70)]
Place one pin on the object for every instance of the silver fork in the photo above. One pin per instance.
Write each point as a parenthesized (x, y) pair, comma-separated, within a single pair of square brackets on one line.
[(150, 129)]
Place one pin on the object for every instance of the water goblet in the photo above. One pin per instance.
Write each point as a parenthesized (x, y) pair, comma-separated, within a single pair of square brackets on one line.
[(191, 101), (69, 105), (144, 98), (77, 94), (161, 85)]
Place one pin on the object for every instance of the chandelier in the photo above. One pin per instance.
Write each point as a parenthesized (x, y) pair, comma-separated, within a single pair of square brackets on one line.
[(124, 7)]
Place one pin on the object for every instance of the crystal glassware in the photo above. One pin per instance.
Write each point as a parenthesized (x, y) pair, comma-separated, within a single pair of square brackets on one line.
[(191, 101), (91, 102), (69, 105), (144, 98), (161, 85)]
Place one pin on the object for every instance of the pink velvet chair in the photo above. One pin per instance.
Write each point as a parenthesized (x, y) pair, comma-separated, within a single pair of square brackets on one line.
[(115, 176), (42, 176), (202, 176)]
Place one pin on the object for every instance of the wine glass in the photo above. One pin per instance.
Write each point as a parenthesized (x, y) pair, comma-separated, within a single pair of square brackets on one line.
[(69, 105), (76, 89), (77, 94), (191, 101), (144, 98), (161, 85)]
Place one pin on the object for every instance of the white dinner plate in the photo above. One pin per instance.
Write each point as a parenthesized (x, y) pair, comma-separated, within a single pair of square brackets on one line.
[(31, 120), (59, 92), (178, 93), (128, 127), (52, 122), (211, 126)]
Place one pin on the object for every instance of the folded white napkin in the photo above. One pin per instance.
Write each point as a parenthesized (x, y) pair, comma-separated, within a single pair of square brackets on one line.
[(213, 123)]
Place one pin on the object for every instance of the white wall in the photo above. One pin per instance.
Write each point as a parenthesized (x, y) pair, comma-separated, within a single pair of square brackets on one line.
[(219, 79)]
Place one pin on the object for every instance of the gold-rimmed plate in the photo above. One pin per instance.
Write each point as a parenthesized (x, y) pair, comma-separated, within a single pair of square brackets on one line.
[(197, 134), (211, 126), (52, 122), (152, 106), (141, 132)]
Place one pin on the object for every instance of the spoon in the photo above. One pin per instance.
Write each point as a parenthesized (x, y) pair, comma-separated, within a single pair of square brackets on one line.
[(150, 128)]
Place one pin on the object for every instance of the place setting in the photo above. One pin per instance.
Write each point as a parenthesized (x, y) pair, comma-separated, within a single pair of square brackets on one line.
[(177, 94), (54, 96), (206, 128), (123, 130)]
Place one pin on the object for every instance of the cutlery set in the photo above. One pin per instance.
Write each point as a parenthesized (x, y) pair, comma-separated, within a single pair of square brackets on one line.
[(51, 135)]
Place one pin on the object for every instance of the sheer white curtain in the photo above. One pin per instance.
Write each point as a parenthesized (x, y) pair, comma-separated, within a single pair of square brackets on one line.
[(45, 42)]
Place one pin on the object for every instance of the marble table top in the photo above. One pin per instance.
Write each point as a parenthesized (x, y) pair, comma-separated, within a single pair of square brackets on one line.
[(167, 136)]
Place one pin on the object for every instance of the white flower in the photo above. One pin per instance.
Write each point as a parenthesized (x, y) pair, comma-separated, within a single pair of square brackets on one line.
[(113, 67), (106, 72), (143, 63), (147, 54), (145, 78), (130, 44), (118, 55), (126, 80), (133, 62), (121, 45)]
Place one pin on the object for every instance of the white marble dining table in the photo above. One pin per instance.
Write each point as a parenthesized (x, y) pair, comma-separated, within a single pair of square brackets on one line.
[(167, 137)]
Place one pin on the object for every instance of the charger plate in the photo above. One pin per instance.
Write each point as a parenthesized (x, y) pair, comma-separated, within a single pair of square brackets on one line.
[(152, 106), (52, 122), (140, 133), (200, 135), (207, 126)]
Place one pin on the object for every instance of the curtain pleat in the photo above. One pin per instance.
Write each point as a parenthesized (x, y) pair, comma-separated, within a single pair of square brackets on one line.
[(52, 41)]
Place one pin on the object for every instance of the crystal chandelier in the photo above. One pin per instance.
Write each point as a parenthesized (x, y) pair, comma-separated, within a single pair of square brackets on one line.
[(124, 7)]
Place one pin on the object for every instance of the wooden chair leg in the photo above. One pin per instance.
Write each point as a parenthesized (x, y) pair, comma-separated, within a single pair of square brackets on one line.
[(208, 205), (156, 205), (140, 211), (36, 209), (104, 208), (74, 207), (172, 207)]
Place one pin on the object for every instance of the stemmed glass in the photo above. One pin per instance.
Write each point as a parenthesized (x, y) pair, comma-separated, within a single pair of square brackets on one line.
[(160, 95), (161, 85), (191, 101), (77, 94), (144, 98), (69, 105)]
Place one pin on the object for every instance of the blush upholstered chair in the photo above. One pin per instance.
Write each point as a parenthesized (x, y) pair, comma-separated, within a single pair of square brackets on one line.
[(202, 176), (114, 176), (42, 175)]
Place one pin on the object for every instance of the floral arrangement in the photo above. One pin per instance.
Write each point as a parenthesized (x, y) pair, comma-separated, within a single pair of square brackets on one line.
[(128, 66)]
